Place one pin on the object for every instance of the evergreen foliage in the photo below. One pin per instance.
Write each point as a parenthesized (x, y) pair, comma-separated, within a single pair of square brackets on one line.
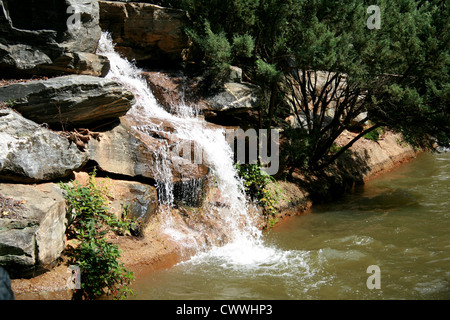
[(397, 75)]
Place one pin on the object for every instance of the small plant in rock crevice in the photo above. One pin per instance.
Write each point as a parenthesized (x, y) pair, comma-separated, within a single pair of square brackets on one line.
[(98, 259), (375, 134), (256, 184)]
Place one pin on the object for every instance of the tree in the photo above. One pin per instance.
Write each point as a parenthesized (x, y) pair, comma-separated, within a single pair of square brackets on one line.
[(345, 74), (334, 71)]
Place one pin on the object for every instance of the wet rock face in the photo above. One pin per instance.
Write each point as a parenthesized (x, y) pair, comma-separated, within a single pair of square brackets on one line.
[(133, 149), (138, 150), (175, 89), (145, 32), (50, 37), (75, 100)]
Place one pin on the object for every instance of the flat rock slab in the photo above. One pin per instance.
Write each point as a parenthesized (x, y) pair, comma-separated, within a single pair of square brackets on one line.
[(77, 100)]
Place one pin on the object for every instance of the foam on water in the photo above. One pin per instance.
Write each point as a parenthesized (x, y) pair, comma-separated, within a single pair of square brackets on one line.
[(246, 247)]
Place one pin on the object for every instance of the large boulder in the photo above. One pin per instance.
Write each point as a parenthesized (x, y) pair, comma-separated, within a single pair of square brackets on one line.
[(146, 32), (50, 37), (31, 153), (139, 200), (175, 89), (76, 100), (235, 97), (136, 146), (32, 227)]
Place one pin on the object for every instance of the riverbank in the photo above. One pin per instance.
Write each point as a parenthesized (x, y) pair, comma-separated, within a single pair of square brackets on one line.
[(367, 160)]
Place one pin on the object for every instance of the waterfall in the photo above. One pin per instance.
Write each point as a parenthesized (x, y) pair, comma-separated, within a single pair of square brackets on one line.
[(217, 153)]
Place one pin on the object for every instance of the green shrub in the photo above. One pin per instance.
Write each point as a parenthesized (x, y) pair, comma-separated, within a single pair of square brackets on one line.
[(216, 47), (219, 51), (101, 271), (243, 46), (256, 183), (375, 134), (267, 72)]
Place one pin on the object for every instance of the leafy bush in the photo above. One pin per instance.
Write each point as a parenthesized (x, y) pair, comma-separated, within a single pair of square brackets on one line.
[(267, 72), (101, 271), (375, 134), (256, 183), (219, 52)]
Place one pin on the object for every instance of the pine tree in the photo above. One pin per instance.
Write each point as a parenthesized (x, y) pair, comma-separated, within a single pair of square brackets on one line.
[(336, 71)]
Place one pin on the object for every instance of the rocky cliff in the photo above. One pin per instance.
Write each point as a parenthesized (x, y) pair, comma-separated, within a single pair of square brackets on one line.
[(52, 37), (145, 32), (59, 117)]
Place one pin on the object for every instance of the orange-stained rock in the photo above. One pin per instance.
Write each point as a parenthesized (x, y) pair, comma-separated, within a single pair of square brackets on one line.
[(145, 31)]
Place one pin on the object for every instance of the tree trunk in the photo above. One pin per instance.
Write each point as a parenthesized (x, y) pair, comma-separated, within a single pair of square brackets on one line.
[(272, 103)]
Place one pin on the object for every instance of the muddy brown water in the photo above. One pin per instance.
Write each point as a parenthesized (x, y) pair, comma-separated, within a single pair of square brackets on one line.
[(398, 222)]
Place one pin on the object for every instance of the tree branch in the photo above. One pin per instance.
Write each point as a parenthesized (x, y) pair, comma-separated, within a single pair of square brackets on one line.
[(346, 147)]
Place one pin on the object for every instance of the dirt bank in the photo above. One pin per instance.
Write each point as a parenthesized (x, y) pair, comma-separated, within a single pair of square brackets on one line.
[(367, 160)]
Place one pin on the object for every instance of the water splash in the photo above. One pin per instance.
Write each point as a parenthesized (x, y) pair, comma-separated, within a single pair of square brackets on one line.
[(216, 151), (245, 246)]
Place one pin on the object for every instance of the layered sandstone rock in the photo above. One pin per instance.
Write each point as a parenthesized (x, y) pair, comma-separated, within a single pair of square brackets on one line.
[(76, 100), (31, 153), (146, 32), (54, 37), (33, 225)]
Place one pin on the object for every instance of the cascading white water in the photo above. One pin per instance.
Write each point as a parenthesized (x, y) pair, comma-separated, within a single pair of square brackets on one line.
[(245, 245)]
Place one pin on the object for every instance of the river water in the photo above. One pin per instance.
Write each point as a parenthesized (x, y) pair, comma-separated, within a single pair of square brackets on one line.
[(398, 222)]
